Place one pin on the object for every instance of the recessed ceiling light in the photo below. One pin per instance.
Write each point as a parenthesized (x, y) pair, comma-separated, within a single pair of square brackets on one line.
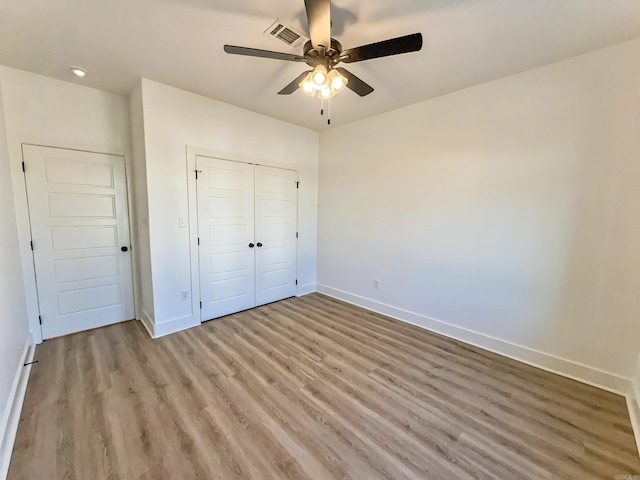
[(78, 72)]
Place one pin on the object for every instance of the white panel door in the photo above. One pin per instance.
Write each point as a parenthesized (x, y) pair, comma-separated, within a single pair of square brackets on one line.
[(276, 225), (80, 230), (225, 192)]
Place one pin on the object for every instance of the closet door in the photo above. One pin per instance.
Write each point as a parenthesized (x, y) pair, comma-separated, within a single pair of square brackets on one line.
[(276, 221), (225, 193)]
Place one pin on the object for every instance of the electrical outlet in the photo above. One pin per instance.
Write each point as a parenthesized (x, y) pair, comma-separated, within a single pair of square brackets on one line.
[(376, 283), (185, 295)]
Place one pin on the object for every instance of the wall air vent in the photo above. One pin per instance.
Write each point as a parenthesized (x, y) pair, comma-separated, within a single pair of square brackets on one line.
[(286, 34)]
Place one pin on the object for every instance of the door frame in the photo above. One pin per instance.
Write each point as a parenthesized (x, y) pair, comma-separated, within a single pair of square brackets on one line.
[(191, 153), (23, 220)]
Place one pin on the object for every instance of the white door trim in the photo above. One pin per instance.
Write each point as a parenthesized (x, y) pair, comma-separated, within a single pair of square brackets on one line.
[(191, 153)]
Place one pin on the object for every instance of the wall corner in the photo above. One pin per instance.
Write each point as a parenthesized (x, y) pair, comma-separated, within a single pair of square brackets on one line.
[(633, 403)]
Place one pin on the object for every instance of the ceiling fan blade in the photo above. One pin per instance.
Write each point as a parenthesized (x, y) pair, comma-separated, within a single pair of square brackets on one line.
[(319, 17), (394, 46), (293, 86), (355, 84), (254, 52)]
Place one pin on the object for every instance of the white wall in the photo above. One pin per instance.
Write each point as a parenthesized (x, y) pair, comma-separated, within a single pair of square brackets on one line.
[(44, 111), (143, 278), (510, 209), (14, 328), (174, 120)]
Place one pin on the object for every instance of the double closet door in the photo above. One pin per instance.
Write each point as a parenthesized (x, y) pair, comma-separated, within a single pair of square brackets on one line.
[(247, 234)]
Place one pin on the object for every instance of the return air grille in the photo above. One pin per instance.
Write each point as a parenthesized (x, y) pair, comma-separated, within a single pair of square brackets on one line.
[(285, 34)]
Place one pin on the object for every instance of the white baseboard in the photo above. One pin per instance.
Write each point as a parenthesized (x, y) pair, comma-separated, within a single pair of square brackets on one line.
[(147, 322), (174, 325), (157, 330), (633, 403), (566, 368), (14, 407), (306, 289)]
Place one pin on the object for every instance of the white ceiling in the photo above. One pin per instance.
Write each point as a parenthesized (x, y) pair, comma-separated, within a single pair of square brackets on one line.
[(179, 42)]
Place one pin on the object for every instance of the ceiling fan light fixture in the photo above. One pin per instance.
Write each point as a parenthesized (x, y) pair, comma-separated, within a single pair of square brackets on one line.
[(326, 92), (307, 85), (320, 76), (337, 81)]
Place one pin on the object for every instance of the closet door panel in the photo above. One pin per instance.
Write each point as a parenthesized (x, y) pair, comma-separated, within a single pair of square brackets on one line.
[(276, 220), (226, 196)]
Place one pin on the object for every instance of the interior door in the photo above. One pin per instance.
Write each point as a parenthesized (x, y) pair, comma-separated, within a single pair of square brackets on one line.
[(276, 207), (225, 192), (80, 230)]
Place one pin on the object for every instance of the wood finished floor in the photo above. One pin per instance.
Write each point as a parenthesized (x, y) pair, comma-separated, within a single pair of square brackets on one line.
[(308, 388)]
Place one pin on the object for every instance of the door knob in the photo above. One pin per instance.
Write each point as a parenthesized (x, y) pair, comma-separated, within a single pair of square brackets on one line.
[(124, 249), (259, 244), (251, 245)]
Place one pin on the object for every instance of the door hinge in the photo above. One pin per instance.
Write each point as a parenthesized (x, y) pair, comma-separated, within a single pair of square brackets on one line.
[(23, 167), (198, 240), (200, 305), (296, 281), (31, 243), (297, 184), (40, 319), (296, 234), (197, 171)]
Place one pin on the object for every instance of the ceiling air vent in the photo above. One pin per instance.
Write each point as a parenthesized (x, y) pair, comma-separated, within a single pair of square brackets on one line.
[(286, 34)]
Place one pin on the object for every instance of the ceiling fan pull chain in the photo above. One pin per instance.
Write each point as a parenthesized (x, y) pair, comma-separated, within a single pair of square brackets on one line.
[(329, 112), (322, 106)]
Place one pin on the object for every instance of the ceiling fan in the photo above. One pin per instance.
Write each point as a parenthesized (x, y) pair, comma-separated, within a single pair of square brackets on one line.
[(323, 53)]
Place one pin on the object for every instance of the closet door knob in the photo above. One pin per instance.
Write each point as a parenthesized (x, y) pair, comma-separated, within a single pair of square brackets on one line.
[(251, 245), (259, 244)]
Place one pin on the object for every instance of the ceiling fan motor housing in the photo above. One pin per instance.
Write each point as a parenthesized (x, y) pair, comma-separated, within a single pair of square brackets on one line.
[(328, 58)]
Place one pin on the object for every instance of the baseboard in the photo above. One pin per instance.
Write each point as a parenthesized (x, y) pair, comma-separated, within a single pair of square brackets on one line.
[(566, 368), (174, 325), (633, 399), (306, 289), (14, 407), (157, 330), (147, 322)]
